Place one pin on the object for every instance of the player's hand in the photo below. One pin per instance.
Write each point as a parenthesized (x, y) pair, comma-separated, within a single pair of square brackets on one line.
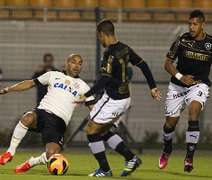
[(187, 80), (156, 94), (81, 100), (4, 91)]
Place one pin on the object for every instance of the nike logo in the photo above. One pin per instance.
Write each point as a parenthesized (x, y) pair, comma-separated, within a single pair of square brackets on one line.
[(193, 136)]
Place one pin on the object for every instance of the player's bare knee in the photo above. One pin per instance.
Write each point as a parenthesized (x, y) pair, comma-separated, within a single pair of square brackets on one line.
[(91, 129), (52, 148), (28, 119), (171, 122), (194, 114)]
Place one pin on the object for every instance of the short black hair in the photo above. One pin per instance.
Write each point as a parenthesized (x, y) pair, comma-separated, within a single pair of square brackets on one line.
[(106, 26), (47, 55), (197, 14)]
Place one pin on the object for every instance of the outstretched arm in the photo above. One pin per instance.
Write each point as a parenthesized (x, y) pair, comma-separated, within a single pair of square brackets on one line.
[(100, 84), (24, 85), (171, 69)]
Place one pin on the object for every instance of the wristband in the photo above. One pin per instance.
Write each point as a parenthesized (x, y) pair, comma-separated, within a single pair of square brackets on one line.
[(178, 76)]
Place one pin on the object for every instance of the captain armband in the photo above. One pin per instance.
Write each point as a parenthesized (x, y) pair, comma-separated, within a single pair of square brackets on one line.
[(178, 76)]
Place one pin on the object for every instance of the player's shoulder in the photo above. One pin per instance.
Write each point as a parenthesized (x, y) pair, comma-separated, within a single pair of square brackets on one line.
[(79, 80), (209, 37), (117, 50), (57, 73), (185, 36)]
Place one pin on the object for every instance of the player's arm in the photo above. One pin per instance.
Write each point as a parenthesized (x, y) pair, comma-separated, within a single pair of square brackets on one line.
[(100, 84), (22, 86), (171, 69), (103, 80), (89, 102)]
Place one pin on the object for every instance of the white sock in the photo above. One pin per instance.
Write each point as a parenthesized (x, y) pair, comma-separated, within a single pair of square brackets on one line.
[(113, 141), (40, 160), (18, 134)]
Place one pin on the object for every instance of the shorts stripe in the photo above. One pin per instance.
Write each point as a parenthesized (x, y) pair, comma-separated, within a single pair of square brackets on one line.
[(100, 108)]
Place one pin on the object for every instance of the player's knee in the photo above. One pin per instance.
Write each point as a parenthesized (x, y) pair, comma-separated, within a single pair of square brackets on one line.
[(52, 148), (90, 129), (28, 119), (170, 123), (194, 114)]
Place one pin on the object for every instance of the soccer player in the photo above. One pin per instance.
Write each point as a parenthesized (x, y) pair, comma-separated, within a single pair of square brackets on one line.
[(189, 85), (52, 115), (114, 102)]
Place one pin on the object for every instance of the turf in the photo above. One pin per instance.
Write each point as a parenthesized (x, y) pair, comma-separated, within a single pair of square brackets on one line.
[(83, 163)]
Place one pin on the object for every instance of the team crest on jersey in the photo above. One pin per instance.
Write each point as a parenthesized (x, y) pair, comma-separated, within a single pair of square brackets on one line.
[(67, 82), (208, 46)]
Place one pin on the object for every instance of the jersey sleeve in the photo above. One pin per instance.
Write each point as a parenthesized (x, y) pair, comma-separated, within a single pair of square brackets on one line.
[(44, 79), (89, 100), (134, 59), (174, 49)]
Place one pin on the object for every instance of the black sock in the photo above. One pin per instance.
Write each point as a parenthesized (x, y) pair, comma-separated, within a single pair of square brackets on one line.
[(122, 149), (98, 150), (103, 163), (192, 137), (191, 147), (168, 136)]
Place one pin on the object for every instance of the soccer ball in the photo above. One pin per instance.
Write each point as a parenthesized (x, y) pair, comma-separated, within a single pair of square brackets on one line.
[(57, 164)]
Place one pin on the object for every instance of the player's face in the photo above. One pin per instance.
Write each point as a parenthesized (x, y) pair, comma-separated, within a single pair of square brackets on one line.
[(74, 66), (195, 27), (101, 37)]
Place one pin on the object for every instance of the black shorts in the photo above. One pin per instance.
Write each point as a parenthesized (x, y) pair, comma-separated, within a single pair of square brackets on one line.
[(51, 127)]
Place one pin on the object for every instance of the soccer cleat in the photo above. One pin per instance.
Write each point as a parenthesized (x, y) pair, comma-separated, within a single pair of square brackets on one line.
[(100, 173), (188, 165), (131, 166), (163, 160), (5, 158), (22, 168)]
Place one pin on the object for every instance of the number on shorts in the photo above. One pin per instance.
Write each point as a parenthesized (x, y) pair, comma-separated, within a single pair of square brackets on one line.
[(199, 93)]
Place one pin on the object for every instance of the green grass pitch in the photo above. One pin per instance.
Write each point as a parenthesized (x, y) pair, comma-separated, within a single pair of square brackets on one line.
[(82, 163)]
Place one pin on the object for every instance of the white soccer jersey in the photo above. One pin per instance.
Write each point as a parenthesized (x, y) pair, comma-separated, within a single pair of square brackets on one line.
[(63, 91)]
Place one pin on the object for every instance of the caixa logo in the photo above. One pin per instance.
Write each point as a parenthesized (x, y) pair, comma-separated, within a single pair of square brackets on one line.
[(66, 88)]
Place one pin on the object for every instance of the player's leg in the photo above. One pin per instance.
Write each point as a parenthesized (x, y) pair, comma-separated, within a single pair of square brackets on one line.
[(52, 132), (196, 99), (168, 134), (51, 148), (116, 143), (28, 120), (192, 134), (98, 124), (174, 105), (93, 131)]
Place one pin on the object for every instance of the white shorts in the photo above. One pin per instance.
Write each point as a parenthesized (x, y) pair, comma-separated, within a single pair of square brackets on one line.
[(108, 110), (178, 97)]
